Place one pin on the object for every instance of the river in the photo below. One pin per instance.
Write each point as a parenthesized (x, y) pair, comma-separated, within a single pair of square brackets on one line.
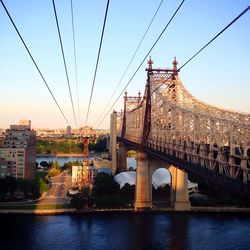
[(126, 231)]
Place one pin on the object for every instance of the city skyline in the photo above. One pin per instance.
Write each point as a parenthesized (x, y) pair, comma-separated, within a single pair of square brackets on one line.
[(219, 75)]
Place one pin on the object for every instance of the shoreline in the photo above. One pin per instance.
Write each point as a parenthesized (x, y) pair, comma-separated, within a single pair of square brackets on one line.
[(73, 211), (60, 155)]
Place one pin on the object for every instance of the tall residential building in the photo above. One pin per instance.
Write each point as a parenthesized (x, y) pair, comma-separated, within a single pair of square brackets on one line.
[(18, 152), (68, 130)]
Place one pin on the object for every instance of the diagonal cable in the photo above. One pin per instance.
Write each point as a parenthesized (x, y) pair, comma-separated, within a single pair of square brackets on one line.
[(97, 61), (34, 62), (76, 74), (142, 61), (64, 60), (200, 50), (132, 58)]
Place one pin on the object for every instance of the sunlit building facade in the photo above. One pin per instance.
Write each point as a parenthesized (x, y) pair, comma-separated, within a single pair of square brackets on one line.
[(18, 152)]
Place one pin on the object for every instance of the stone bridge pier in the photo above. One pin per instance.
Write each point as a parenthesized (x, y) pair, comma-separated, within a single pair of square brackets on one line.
[(143, 192)]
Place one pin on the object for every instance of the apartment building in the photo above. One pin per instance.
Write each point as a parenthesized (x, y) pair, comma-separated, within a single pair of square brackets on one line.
[(18, 152)]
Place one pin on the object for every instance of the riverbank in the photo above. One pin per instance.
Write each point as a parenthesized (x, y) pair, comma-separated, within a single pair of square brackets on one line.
[(60, 155), (67, 211)]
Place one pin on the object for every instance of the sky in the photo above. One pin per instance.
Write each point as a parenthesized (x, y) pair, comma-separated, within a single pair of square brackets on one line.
[(220, 75)]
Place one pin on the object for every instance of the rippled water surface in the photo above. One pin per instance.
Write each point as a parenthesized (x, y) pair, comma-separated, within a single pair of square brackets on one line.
[(126, 231)]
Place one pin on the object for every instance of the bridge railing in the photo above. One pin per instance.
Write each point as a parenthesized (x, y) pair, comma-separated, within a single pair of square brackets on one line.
[(207, 156)]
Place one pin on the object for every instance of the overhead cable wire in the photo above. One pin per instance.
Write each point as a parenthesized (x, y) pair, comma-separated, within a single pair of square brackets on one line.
[(198, 52), (64, 61), (34, 62), (97, 61), (75, 60), (143, 61), (132, 58), (208, 43)]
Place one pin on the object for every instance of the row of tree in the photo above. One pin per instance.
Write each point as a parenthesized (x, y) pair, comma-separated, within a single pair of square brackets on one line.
[(69, 146), (12, 189), (105, 194)]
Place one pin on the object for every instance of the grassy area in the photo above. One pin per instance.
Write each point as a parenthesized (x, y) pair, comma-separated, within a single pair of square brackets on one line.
[(34, 206)]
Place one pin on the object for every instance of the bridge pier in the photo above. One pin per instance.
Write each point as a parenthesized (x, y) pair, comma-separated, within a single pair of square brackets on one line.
[(143, 192), (113, 141), (122, 158), (179, 189)]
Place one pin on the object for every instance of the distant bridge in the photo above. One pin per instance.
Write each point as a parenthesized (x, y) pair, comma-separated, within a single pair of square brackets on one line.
[(167, 125)]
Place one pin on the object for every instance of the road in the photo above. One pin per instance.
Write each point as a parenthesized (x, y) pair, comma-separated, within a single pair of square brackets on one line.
[(57, 193)]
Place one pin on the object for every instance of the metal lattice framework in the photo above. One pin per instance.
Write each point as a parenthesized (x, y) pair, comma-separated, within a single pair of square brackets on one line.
[(169, 119), (83, 172)]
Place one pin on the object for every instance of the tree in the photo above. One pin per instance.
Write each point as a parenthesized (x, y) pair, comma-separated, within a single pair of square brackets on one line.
[(104, 184), (100, 145), (55, 164), (44, 164), (53, 172), (24, 185)]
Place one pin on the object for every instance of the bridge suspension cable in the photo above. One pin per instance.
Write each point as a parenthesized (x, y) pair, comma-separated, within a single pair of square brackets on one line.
[(64, 60), (132, 58), (34, 62), (97, 61), (208, 43), (75, 59), (176, 11)]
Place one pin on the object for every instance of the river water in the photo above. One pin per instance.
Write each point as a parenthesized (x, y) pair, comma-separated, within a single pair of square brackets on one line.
[(126, 231)]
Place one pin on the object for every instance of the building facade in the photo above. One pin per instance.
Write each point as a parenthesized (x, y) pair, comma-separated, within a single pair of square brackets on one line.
[(18, 152)]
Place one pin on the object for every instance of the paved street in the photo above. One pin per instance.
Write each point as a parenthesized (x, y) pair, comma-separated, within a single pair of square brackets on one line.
[(57, 194)]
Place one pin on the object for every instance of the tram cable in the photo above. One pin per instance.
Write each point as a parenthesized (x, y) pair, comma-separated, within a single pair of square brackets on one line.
[(97, 61), (75, 59), (198, 52), (64, 60), (34, 62), (176, 11), (208, 43), (132, 58)]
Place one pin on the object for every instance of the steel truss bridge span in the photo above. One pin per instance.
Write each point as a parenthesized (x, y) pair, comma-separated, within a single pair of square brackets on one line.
[(169, 123)]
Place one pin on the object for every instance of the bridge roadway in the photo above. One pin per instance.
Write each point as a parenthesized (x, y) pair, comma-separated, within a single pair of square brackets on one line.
[(220, 182)]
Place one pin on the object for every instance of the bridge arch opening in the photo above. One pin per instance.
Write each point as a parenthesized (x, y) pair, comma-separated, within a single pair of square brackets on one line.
[(131, 160), (161, 187)]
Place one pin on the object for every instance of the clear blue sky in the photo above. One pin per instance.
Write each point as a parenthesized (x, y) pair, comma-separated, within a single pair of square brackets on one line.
[(220, 75)]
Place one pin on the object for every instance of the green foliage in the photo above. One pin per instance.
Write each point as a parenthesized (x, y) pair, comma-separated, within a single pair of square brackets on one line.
[(107, 192), (55, 164), (45, 164), (83, 199), (128, 191), (100, 145), (110, 201), (132, 153), (7, 187), (54, 172), (68, 146), (38, 187), (12, 189), (104, 184)]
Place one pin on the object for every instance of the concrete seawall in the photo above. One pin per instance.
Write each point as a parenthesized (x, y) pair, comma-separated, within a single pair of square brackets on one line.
[(111, 211)]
